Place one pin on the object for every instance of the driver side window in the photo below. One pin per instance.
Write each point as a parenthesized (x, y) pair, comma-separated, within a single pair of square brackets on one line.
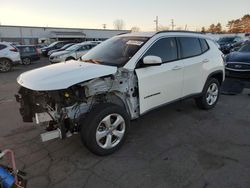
[(165, 48)]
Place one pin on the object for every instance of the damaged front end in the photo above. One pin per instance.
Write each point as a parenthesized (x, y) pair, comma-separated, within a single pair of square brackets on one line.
[(52, 109), (62, 112)]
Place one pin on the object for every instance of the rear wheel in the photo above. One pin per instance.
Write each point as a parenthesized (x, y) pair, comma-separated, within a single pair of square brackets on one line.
[(5, 65), (210, 95), (26, 61), (105, 128)]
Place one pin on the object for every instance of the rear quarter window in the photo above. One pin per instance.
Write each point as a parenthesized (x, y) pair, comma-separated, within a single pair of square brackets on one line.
[(190, 47), (204, 45)]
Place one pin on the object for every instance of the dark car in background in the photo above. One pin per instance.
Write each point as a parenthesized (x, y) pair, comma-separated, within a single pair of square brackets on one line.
[(238, 63), (40, 46), (53, 46), (61, 49), (28, 53), (229, 43)]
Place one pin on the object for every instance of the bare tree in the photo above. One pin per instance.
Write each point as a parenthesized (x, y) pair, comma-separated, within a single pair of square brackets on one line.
[(119, 24), (135, 29), (203, 29)]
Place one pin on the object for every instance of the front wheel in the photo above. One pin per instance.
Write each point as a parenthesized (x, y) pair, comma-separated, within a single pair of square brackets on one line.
[(210, 96), (105, 128)]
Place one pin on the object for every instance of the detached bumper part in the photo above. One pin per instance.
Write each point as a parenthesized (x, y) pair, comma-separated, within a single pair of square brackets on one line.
[(51, 135), (44, 117)]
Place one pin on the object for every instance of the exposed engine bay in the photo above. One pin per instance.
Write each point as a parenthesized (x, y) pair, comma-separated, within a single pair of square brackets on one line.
[(63, 111)]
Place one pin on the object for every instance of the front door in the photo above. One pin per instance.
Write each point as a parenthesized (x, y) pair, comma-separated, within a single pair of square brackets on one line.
[(163, 83)]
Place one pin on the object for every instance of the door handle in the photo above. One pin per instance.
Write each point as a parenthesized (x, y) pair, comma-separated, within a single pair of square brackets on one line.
[(177, 68), (205, 61)]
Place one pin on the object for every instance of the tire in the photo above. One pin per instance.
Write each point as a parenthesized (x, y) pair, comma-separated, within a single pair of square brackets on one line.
[(69, 58), (5, 65), (210, 95), (111, 137), (26, 61)]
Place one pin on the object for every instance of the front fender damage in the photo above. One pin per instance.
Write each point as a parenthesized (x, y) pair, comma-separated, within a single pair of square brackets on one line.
[(61, 112)]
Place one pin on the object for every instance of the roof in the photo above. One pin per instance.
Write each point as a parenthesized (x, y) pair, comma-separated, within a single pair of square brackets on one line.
[(140, 34), (62, 28), (173, 33), (67, 34)]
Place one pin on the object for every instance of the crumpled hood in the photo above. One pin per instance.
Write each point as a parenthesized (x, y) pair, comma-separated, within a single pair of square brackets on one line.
[(238, 57), (63, 75)]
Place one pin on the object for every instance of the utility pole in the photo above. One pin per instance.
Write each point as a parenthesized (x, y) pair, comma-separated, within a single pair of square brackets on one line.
[(104, 26), (156, 23), (172, 24), (186, 27)]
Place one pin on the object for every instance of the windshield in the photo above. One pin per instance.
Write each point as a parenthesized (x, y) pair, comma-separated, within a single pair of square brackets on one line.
[(226, 39), (66, 46), (52, 44), (73, 48), (116, 51), (245, 48)]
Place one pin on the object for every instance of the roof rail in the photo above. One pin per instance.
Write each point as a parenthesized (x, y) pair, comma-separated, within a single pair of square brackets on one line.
[(123, 33), (179, 31)]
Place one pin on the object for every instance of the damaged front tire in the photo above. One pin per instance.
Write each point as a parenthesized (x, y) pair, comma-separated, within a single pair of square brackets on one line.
[(105, 128)]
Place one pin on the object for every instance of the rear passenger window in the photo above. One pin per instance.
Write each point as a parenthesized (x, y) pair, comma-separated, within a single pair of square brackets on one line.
[(204, 45), (165, 49), (189, 47), (2, 46)]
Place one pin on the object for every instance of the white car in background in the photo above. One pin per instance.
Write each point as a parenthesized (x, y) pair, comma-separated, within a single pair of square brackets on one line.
[(9, 56), (72, 53)]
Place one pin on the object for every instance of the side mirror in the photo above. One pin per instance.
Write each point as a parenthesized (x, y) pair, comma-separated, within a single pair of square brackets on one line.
[(152, 60)]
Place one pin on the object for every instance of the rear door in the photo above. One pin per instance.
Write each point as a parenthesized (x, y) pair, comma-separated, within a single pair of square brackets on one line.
[(160, 84), (193, 58)]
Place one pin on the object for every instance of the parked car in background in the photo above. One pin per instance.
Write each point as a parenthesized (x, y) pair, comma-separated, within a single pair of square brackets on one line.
[(238, 63), (96, 42), (53, 46), (40, 46), (120, 80), (72, 53), (28, 53), (9, 56), (228, 43), (61, 49)]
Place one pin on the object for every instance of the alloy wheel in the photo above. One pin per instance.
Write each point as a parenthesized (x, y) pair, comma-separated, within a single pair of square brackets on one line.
[(212, 94), (5, 65), (110, 131)]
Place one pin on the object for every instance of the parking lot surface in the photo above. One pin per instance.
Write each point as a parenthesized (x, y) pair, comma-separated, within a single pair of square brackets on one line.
[(175, 146)]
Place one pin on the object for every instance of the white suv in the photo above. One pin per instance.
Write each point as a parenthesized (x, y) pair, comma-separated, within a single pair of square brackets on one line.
[(9, 56), (120, 80)]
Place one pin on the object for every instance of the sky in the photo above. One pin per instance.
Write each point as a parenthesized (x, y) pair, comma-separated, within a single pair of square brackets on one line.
[(139, 13)]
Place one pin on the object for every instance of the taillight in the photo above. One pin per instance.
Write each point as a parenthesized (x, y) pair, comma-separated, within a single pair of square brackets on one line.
[(13, 50)]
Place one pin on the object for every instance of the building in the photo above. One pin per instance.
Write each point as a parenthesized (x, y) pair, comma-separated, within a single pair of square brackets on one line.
[(35, 35)]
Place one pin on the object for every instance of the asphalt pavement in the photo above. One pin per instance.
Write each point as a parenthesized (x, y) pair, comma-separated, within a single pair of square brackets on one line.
[(174, 146)]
